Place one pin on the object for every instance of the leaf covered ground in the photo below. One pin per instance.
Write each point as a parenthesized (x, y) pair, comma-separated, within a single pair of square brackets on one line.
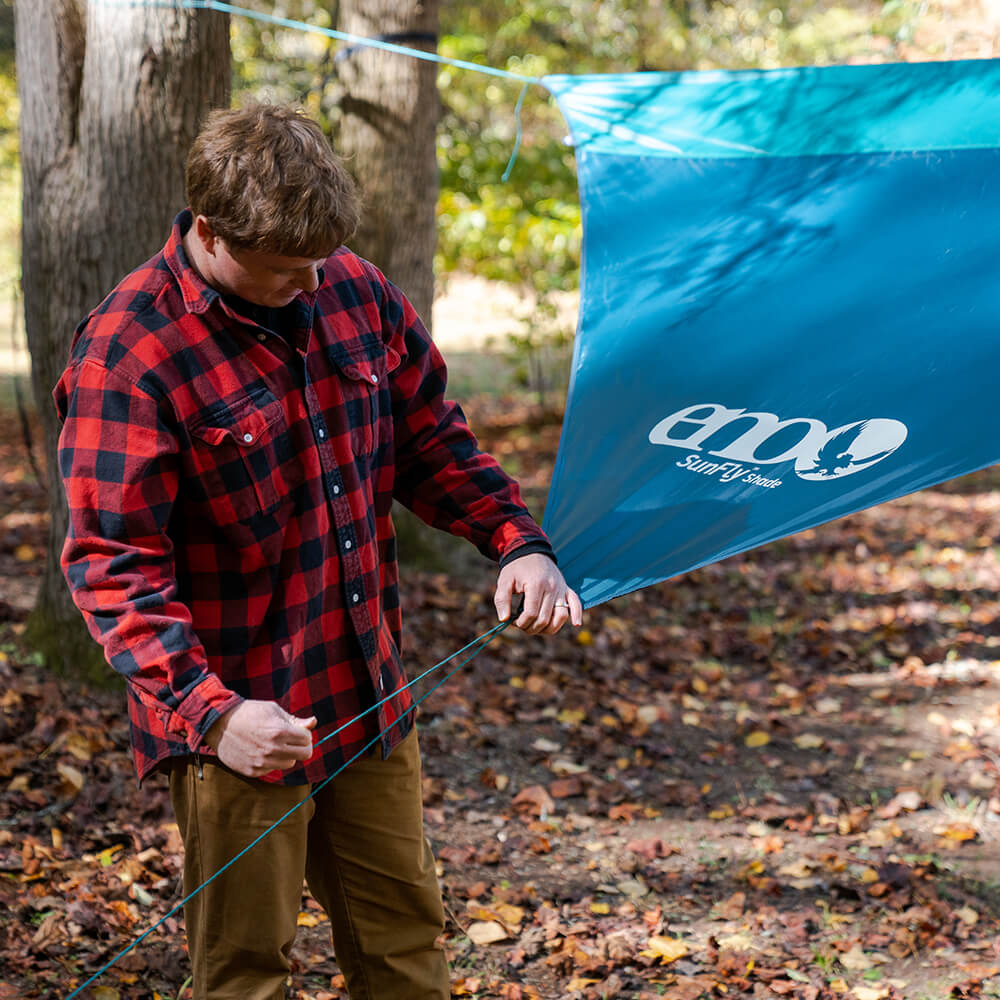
[(774, 777)]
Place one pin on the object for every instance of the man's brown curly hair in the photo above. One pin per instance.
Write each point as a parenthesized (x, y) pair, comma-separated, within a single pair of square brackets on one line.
[(265, 179)]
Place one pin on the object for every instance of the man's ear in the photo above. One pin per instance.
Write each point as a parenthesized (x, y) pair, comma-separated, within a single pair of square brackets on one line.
[(205, 234)]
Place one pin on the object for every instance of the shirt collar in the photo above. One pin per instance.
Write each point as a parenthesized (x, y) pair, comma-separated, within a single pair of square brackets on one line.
[(198, 294)]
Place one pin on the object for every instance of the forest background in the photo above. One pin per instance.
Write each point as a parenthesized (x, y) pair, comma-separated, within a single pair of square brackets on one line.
[(775, 777)]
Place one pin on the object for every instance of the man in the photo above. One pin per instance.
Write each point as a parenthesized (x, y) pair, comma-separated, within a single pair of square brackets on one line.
[(239, 414)]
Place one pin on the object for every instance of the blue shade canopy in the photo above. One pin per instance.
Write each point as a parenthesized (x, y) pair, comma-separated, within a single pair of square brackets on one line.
[(789, 311)]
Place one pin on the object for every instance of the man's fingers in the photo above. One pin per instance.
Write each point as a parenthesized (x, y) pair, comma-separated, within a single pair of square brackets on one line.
[(560, 615), (546, 611), (575, 608), (532, 607), (296, 727), (501, 599)]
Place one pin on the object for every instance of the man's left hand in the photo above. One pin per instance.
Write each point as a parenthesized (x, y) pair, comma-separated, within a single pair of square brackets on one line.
[(548, 602)]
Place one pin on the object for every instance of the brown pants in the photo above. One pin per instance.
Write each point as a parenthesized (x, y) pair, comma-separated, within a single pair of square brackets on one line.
[(359, 843)]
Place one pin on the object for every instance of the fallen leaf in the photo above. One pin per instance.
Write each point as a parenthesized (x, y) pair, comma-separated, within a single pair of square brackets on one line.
[(732, 908), (564, 788), (959, 832), (486, 932), (546, 746), (648, 714), (809, 741), (855, 960), (72, 779), (797, 869), (567, 767), (537, 798), (758, 738), (650, 849), (736, 942), (503, 913), (667, 949), (907, 801)]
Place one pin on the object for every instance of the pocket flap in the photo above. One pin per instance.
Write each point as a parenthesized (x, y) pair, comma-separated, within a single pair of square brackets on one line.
[(245, 430), (365, 364)]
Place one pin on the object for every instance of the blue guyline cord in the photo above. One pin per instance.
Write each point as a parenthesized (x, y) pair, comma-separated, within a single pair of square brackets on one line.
[(477, 646), (344, 36), (355, 40)]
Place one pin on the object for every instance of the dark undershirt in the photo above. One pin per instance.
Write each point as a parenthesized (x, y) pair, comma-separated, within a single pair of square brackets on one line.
[(284, 321)]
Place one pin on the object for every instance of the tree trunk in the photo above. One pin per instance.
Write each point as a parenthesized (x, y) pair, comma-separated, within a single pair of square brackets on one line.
[(390, 114), (388, 135), (111, 99)]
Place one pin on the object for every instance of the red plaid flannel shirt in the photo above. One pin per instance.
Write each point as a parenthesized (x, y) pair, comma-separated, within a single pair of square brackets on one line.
[(229, 497)]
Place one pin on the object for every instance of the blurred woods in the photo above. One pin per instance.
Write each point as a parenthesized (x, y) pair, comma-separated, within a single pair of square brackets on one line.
[(382, 111)]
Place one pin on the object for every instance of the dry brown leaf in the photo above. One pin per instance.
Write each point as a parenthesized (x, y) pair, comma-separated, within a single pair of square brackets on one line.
[(72, 779), (667, 949), (809, 741), (536, 798), (486, 932), (870, 992), (855, 960)]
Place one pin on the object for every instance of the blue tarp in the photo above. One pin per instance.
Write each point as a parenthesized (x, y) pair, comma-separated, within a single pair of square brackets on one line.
[(789, 307)]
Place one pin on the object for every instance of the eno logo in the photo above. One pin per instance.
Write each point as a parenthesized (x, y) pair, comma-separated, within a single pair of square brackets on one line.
[(762, 438)]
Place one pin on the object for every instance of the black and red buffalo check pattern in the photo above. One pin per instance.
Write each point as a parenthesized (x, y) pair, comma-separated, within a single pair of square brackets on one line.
[(229, 494)]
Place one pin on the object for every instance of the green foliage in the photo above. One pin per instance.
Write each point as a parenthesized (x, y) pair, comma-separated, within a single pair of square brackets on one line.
[(10, 173), (284, 64)]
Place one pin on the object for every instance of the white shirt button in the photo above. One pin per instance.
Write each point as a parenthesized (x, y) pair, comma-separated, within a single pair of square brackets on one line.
[(355, 598), (321, 433), (374, 377), (336, 490), (381, 685), (248, 438), (347, 544)]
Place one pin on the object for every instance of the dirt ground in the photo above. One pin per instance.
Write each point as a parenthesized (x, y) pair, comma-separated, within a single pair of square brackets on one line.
[(778, 776)]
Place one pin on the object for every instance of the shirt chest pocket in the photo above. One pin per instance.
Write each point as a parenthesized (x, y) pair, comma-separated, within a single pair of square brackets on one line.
[(365, 390), (237, 453)]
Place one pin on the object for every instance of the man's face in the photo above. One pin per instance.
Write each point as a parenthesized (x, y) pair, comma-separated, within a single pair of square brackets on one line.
[(265, 279)]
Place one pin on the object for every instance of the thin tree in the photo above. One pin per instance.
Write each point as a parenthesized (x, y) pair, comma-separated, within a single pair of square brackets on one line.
[(390, 114), (111, 97)]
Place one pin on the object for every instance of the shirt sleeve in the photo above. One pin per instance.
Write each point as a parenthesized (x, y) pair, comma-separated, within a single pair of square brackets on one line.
[(441, 473), (118, 458)]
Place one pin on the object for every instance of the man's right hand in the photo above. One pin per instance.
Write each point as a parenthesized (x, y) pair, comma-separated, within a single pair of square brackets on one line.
[(257, 737)]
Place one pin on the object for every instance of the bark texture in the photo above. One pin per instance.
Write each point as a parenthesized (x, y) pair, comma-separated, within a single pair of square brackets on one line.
[(111, 98), (390, 115)]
